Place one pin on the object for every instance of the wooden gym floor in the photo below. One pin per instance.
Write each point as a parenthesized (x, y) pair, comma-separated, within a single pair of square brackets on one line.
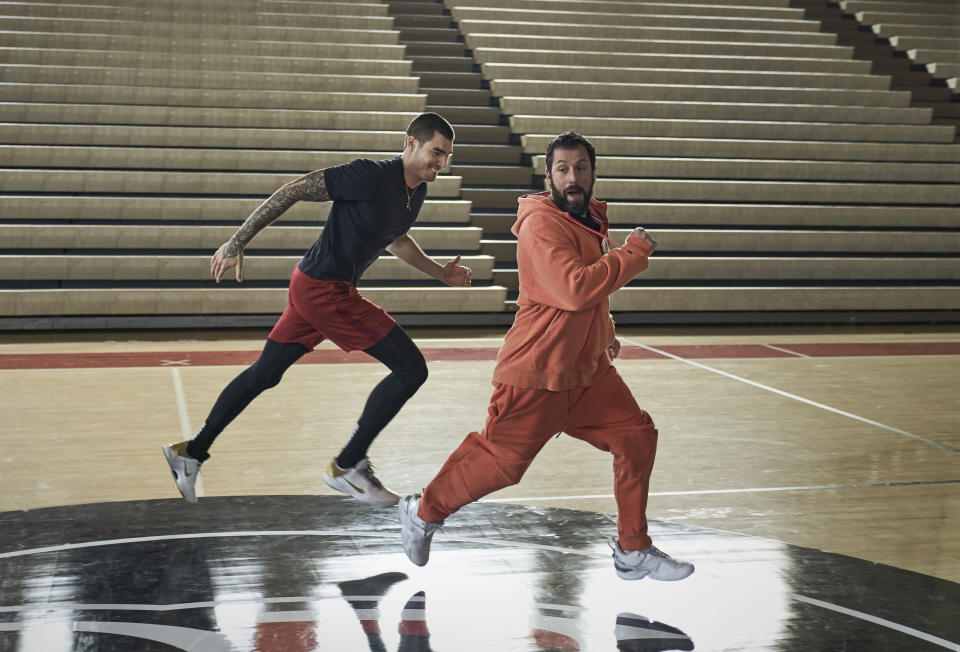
[(844, 440)]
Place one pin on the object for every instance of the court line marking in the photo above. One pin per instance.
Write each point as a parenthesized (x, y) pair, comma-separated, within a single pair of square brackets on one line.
[(181, 403), (179, 606), (209, 604), (262, 533), (949, 645), (916, 633), (783, 350), (795, 397), (185, 429), (707, 492), (495, 339)]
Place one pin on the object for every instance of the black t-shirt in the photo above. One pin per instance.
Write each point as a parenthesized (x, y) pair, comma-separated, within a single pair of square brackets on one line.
[(591, 221), (369, 212)]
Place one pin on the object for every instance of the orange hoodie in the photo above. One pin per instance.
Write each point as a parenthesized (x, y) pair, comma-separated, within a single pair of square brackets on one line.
[(563, 327)]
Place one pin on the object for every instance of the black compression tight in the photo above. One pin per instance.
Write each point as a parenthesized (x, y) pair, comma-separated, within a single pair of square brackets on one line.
[(408, 371), (263, 374)]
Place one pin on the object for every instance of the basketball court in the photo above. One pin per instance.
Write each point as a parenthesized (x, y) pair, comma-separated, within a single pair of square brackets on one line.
[(811, 474)]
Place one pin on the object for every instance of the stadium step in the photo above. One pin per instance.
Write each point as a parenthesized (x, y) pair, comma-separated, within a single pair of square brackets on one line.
[(528, 42), (671, 61), (761, 242), (332, 30), (629, 32), (296, 239), (24, 180), (768, 169), (57, 304), (479, 97), (526, 88), (738, 129), (732, 77), (534, 144), (759, 270), (708, 110), (759, 10), (493, 175), (38, 269), (99, 209), (210, 98)]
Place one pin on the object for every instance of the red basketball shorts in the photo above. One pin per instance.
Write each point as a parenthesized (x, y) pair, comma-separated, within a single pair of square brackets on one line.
[(330, 310)]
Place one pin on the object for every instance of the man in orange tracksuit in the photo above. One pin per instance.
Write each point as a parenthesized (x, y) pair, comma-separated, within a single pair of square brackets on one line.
[(554, 370)]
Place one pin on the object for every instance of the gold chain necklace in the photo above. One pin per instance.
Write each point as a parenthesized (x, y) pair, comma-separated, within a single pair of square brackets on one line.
[(409, 194)]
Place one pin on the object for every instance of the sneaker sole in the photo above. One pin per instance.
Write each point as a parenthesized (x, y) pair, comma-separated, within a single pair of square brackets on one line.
[(171, 462), (639, 575), (630, 575)]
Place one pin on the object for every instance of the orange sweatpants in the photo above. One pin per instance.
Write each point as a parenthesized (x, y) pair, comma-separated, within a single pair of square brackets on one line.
[(521, 421)]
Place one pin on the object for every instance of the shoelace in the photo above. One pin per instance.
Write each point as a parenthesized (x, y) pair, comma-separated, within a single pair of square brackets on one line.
[(367, 472), (656, 552), (430, 528), (652, 551)]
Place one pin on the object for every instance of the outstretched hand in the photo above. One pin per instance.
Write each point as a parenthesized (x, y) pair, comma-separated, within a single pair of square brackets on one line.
[(220, 263), (456, 275), (614, 349)]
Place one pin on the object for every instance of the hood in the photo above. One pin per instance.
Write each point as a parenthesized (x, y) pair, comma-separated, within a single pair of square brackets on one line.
[(541, 202)]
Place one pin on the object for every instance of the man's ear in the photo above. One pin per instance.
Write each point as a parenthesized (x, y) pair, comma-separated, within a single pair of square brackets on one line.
[(411, 143)]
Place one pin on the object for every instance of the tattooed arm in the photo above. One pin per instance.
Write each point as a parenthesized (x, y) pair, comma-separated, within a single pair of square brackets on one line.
[(406, 249), (309, 187)]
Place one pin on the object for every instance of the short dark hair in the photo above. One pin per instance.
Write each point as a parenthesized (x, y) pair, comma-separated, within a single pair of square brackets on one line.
[(571, 140), (425, 125)]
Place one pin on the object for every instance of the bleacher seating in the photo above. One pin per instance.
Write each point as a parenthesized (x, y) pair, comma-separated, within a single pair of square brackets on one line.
[(786, 176), (779, 172), (138, 136)]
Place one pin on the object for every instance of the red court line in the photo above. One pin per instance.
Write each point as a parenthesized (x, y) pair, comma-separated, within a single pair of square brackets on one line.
[(451, 354), (823, 350), (209, 358)]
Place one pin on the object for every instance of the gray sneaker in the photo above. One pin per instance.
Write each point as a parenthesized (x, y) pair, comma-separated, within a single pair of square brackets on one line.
[(361, 483), (650, 562), (184, 468), (415, 533)]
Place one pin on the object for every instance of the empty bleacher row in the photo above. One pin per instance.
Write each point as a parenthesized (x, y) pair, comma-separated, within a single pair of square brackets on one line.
[(138, 135), (778, 172)]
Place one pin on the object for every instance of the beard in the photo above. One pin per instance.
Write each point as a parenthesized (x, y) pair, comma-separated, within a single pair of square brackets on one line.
[(576, 207)]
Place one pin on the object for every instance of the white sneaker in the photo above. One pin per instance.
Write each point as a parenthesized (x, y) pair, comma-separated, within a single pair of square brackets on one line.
[(650, 562), (184, 468), (361, 483), (415, 533)]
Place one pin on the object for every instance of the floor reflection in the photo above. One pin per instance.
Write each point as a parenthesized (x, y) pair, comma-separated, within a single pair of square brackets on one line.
[(304, 574), (637, 634)]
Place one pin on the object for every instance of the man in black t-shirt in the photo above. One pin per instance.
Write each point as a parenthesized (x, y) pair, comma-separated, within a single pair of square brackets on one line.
[(374, 205)]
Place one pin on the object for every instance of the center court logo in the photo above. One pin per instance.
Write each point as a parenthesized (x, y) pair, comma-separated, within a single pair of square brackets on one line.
[(314, 621), (298, 631)]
